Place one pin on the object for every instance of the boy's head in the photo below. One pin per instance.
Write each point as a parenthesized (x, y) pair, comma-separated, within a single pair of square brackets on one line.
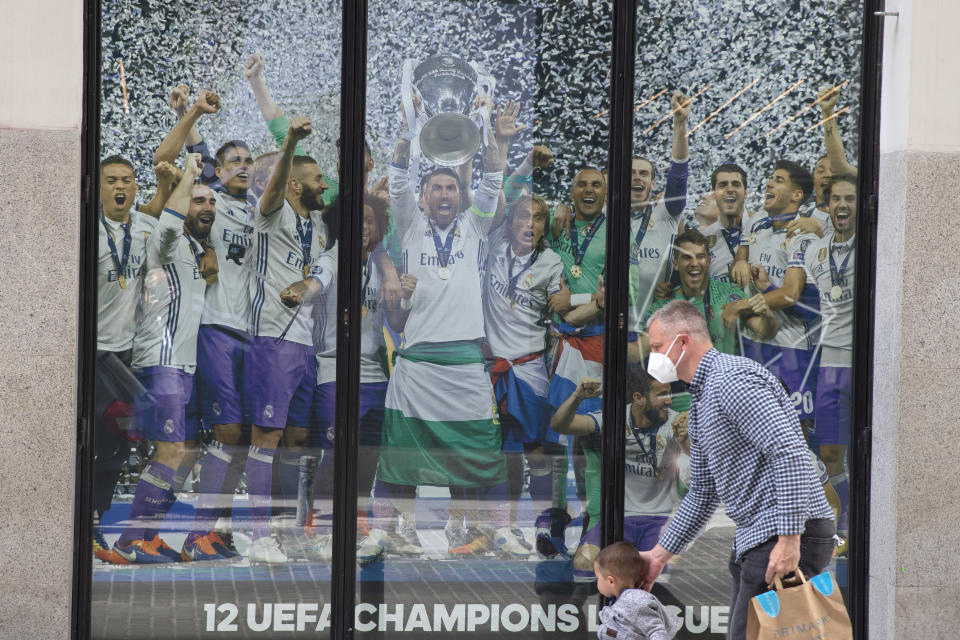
[(618, 567)]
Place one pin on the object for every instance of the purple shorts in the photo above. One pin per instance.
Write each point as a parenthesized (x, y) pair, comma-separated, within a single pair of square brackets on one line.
[(796, 367), (372, 396), (220, 356), (174, 415), (642, 532), (279, 382), (834, 405)]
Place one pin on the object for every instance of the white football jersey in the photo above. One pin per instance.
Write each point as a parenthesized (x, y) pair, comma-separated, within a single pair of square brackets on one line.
[(372, 345), (277, 260), (172, 301), (228, 299), (116, 306), (836, 316), (721, 255), (769, 248), (515, 320), (650, 260)]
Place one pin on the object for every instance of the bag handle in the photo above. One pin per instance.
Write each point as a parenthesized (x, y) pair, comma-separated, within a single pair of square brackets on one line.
[(778, 583)]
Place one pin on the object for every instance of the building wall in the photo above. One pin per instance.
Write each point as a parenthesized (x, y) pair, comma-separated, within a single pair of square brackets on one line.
[(912, 590), (41, 81)]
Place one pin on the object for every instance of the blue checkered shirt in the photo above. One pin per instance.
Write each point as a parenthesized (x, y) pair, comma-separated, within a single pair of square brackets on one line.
[(747, 451)]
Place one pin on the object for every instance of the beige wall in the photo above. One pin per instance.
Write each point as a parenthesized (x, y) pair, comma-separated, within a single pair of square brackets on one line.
[(41, 85), (915, 486)]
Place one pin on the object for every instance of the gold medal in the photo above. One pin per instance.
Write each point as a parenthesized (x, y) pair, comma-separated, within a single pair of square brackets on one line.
[(513, 304), (836, 292), (576, 271), (363, 311), (752, 238), (783, 245), (122, 281), (306, 270)]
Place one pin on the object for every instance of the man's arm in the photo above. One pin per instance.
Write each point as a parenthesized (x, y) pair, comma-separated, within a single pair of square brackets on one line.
[(740, 271), (488, 193), (763, 322), (675, 191), (831, 137), (163, 241), (168, 176), (403, 205), (276, 191), (566, 420), (169, 149), (273, 115)]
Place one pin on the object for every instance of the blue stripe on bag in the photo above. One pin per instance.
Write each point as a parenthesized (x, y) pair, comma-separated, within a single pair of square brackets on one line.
[(823, 583), (770, 603)]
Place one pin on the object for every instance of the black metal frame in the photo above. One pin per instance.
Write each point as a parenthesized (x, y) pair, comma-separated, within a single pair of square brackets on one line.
[(352, 125)]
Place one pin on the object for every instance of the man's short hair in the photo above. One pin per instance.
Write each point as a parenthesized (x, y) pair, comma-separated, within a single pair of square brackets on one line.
[(653, 167), (621, 560), (226, 146), (116, 159), (299, 161), (445, 171), (799, 176), (692, 236), (638, 380), (680, 316), (844, 177), (728, 167)]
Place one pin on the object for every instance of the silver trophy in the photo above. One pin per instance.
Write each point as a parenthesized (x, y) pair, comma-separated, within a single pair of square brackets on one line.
[(451, 129)]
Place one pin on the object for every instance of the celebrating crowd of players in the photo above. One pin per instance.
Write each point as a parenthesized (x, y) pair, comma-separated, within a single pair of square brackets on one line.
[(217, 334)]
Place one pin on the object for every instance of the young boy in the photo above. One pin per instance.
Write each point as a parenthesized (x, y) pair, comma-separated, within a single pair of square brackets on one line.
[(636, 614)]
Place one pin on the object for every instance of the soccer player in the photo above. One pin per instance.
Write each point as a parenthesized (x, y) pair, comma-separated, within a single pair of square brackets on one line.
[(729, 183), (521, 276), (281, 367), (775, 262), (440, 424), (830, 261), (321, 286), (656, 464), (123, 234), (165, 357)]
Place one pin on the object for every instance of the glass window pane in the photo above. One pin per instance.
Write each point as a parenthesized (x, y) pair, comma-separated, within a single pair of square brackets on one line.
[(743, 116), (477, 504), (208, 410)]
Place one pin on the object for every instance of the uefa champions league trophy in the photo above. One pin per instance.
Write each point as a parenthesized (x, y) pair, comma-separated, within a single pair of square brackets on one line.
[(450, 129)]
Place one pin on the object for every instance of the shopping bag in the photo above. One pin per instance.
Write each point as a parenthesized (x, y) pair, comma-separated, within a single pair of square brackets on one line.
[(811, 610)]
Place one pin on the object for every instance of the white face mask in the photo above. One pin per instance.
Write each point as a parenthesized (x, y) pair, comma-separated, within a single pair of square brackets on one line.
[(662, 368)]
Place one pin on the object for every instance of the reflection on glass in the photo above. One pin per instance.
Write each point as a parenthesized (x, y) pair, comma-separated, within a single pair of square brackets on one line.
[(212, 419), (760, 239)]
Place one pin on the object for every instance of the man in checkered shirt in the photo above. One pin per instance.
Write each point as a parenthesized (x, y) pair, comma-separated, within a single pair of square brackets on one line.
[(747, 451)]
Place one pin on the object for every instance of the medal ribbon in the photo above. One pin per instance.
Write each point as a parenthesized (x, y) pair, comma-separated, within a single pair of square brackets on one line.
[(367, 272), (836, 275), (306, 239), (579, 251), (444, 249), (637, 435), (511, 278), (732, 236), (644, 223), (120, 264), (767, 222), (193, 247)]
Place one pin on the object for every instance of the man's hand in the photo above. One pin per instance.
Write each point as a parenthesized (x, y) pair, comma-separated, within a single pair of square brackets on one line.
[(253, 67), (562, 219), (179, 99), (560, 302), (662, 291), (506, 125), (784, 557), (541, 156), (680, 105), (492, 162), (168, 175), (680, 434), (209, 267), (292, 296), (408, 283), (589, 388), (740, 273), (656, 560), (390, 289), (299, 129), (207, 102), (801, 225), (381, 190), (601, 298), (731, 314), (758, 304), (760, 277), (192, 166), (828, 103)]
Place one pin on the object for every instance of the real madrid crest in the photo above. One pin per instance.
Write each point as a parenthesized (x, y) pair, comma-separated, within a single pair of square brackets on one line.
[(528, 281)]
